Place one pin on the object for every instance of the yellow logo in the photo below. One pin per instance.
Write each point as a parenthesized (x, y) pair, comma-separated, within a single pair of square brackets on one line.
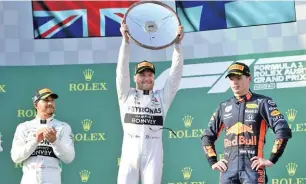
[(86, 124), (2, 88), (88, 73), (187, 173), (252, 106), (84, 174), (275, 113), (187, 121), (236, 67), (87, 135), (291, 168), (291, 114)]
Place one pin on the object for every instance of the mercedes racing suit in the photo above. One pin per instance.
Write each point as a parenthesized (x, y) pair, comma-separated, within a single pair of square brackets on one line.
[(42, 161), (245, 121), (142, 117)]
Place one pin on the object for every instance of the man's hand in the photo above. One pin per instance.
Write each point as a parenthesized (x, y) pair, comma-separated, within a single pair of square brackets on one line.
[(220, 165), (180, 33), (124, 29), (50, 134), (258, 162), (40, 135)]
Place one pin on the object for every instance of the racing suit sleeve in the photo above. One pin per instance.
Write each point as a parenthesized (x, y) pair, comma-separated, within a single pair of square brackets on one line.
[(123, 72), (173, 81), (280, 127), (63, 146), (22, 148), (210, 136)]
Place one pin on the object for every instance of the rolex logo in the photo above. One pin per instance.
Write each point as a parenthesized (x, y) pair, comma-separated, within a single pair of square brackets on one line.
[(291, 168), (187, 121), (291, 114), (88, 73), (86, 124), (84, 174), (187, 173)]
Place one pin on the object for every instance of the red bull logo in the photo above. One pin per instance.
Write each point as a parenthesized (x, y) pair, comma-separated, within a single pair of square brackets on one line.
[(237, 129)]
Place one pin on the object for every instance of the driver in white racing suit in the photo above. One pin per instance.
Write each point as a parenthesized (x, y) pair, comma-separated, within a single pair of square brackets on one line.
[(42, 143), (143, 112)]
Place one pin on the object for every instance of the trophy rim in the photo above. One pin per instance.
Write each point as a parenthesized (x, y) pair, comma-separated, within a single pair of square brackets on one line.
[(141, 44)]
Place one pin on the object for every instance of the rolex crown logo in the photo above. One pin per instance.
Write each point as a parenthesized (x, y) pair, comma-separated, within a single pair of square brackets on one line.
[(187, 121), (291, 114), (291, 168), (88, 73), (86, 124), (84, 174), (187, 173)]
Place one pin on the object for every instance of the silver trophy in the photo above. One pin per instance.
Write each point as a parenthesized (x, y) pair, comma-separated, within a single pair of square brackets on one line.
[(152, 24)]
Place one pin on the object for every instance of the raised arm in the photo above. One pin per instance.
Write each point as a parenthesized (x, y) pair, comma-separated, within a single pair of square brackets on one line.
[(122, 71), (173, 81)]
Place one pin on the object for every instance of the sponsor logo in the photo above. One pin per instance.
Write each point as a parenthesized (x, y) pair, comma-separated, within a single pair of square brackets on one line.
[(250, 117), (237, 129), (291, 114), (2, 88), (187, 173), (187, 121), (87, 135), (275, 113), (84, 175), (144, 110), (291, 117), (252, 106), (188, 132), (268, 73), (202, 75), (88, 85), (236, 67), (291, 179), (26, 113), (291, 168), (251, 111), (279, 72)]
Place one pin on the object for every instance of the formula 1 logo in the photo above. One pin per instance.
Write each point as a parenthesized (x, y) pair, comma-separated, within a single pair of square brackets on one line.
[(267, 73), (202, 75)]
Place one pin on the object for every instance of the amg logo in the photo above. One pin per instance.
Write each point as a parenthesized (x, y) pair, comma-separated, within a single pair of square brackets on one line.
[(144, 110)]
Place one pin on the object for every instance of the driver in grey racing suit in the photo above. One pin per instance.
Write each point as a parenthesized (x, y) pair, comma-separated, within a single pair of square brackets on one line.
[(42, 143), (143, 112)]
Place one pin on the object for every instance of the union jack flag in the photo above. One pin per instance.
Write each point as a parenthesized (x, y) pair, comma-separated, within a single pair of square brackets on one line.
[(75, 19), (101, 18)]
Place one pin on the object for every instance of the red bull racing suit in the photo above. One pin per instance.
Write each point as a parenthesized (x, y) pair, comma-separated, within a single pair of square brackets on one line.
[(142, 116), (245, 122)]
